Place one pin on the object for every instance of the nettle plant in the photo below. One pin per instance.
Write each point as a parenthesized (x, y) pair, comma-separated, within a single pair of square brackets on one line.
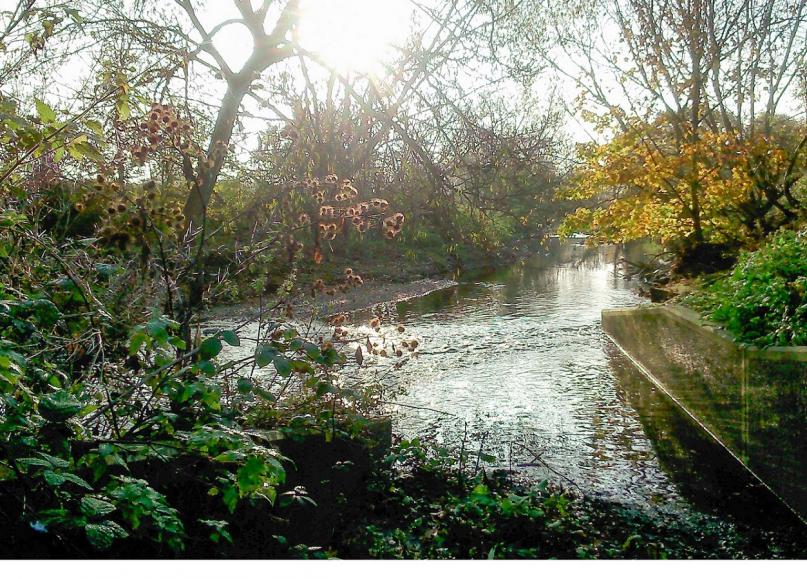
[(104, 426), (117, 422), (111, 431)]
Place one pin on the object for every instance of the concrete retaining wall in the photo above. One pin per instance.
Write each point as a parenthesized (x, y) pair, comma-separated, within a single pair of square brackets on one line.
[(752, 401)]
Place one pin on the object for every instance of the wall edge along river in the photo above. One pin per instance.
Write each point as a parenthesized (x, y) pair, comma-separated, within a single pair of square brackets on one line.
[(752, 401)]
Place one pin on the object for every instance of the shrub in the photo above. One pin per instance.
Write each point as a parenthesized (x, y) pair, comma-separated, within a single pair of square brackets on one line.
[(763, 301)]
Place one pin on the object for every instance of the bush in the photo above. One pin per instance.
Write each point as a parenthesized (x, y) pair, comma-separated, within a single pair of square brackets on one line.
[(763, 301), (119, 437)]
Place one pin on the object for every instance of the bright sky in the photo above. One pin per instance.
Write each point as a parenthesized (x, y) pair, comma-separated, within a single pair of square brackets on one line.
[(354, 34), (351, 35)]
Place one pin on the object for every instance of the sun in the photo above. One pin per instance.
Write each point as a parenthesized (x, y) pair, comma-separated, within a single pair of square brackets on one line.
[(354, 35)]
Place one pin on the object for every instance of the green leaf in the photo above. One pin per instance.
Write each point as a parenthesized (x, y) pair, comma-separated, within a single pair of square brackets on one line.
[(330, 357), (102, 535), (158, 329), (94, 126), (59, 406), (79, 150), (266, 395), (74, 14), (230, 497), (251, 475), (75, 152), (124, 110), (45, 311), (311, 350), (282, 365), (34, 462), (630, 541), (230, 456), (207, 367), (54, 479), (137, 340), (265, 355), (46, 114), (212, 399), (77, 480), (54, 461), (93, 507), (244, 385), (231, 338), (210, 348), (219, 530), (324, 387)]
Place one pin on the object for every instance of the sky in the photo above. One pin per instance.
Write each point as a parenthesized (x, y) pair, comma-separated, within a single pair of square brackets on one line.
[(356, 36), (351, 35)]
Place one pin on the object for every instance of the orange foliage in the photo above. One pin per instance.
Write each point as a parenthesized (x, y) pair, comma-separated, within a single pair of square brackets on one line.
[(648, 183)]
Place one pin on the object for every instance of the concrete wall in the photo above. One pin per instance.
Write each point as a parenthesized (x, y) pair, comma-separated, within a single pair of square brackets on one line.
[(753, 401)]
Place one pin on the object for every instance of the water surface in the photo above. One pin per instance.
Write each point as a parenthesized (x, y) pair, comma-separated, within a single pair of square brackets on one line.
[(515, 365)]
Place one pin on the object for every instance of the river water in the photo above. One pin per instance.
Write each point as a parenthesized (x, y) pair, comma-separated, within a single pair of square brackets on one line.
[(514, 368)]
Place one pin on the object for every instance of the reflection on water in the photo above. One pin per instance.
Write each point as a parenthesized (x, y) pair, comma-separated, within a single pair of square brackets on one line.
[(515, 365), (707, 476), (520, 358)]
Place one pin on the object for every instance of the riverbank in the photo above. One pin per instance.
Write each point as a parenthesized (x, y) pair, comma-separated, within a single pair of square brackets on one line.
[(369, 295)]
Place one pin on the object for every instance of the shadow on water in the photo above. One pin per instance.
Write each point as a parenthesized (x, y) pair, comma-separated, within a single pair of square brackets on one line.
[(704, 472)]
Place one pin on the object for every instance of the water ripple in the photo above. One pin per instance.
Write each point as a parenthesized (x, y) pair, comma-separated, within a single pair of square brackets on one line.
[(521, 359)]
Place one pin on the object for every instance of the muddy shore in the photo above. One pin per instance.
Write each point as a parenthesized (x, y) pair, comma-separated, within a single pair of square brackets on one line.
[(367, 296)]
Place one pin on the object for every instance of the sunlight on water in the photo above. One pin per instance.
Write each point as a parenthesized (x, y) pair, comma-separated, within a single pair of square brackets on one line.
[(520, 357), (519, 362)]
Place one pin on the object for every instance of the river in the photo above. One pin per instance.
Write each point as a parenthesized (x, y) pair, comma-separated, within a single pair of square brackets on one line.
[(514, 366)]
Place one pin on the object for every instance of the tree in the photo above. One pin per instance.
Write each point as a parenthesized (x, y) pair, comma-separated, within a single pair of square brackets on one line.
[(745, 187), (664, 75)]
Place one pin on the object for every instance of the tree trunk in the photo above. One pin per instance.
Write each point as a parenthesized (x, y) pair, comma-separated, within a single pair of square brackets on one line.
[(209, 169)]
